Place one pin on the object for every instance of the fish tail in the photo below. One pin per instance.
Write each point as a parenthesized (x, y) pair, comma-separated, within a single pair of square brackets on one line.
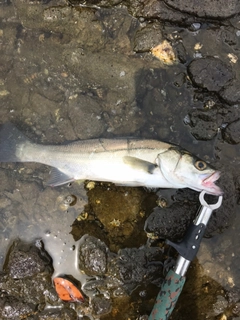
[(12, 142)]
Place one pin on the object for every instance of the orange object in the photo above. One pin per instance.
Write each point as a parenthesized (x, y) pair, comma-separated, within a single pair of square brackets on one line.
[(67, 291)]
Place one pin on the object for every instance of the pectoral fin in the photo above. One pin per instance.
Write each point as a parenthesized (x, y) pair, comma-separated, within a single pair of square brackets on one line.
[(57, 178), (139, 164)]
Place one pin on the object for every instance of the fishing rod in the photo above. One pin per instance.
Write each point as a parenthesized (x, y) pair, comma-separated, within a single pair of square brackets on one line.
[(187, 249)]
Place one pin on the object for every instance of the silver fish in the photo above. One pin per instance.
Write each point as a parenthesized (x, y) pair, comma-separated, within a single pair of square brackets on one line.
[(128, 162)]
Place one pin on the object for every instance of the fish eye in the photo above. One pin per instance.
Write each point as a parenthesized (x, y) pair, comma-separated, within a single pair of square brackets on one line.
[(200, 165)]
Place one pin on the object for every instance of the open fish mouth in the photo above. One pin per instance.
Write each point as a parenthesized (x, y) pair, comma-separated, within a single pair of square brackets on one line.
[(209, 184)]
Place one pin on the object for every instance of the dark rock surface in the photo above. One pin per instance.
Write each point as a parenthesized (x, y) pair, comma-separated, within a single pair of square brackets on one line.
[(26, 284), (210, 73), (206, 9), (222, 218), (231, 133), (121, 273), (172, 221), (155, 9), (101, 305), (13, 308), (161, 221), (204, 124), (148, 37), (62, 314), (231, 93), (25, 260), (163, 8), (85, 107), (93, 256)]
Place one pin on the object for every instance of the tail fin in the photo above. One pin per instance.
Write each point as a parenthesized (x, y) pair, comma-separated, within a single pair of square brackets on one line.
[(11, 143)]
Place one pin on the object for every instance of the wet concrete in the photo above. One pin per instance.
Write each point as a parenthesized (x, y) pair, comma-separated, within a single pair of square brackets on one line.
[(84, 69)]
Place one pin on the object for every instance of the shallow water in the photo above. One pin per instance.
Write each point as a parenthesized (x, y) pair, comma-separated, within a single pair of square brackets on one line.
[(71, 73)]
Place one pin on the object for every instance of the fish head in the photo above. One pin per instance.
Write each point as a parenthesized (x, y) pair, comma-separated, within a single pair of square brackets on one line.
[(184, 170)]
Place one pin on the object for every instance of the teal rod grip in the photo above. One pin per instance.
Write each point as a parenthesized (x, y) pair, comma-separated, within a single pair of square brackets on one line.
[(168, 296)]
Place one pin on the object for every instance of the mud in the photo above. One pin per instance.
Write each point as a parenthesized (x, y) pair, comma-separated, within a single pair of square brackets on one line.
[(84, 69)]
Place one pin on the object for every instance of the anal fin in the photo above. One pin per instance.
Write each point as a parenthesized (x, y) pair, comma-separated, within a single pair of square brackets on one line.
[(57, 178)]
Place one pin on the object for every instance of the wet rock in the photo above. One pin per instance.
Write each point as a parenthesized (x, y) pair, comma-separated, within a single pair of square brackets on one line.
[(205, 8), (236, 309), (229, 36), (152, 94), (238, 188), (220, 305), (120, 273), (171, 223), (46, 197), (93, 227), (101, 305), (85, 115), (233, 295), (26, 284), (29, 190), (107, 285), (24, 260), (222, 218), (231, 93), (100, 3), (13, 308), (121, 31), (139, 266), (204, 124), (148, 37), (181, 52), (48, 109), (6, 183), (50, 89), (210, 73), (36, 289), (152, 9), (93, 256), (61, 314), (231, 133), (106, 71), (118, 210), (44, 15), (29, 13)]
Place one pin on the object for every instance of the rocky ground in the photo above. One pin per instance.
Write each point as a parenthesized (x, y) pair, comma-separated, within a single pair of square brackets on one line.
[(84, 69)]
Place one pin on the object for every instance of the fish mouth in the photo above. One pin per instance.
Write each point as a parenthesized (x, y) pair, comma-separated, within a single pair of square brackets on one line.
[(210, 186)]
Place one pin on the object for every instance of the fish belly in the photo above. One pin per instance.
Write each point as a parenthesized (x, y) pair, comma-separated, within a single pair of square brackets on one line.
[(108, 168)]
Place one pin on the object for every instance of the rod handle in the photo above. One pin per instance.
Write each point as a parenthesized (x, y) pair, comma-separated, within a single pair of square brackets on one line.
[(167, 297)]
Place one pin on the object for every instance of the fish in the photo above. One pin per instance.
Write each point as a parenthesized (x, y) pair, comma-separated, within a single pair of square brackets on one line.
[(124, 161)]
